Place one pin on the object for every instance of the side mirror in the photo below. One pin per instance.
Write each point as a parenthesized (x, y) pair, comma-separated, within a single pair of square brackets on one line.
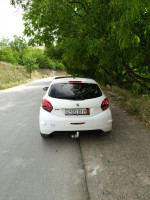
[(45, 88)]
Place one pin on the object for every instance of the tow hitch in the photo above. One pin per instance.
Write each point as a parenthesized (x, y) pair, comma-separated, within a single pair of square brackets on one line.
[(75, 135)]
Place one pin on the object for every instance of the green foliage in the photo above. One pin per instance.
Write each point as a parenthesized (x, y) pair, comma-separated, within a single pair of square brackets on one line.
[(8, 55), (41, 59), (56, 65), (12, 51), (97, 37), (55, 52), (5, 42), (17, 51), (19, 45), (29, 60)]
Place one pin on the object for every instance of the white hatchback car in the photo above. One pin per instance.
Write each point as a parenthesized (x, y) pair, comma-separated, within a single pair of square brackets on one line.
[(74, 104)]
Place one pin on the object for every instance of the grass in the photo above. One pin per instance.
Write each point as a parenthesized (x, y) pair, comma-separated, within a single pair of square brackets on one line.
[(138, 105), (13, 75)]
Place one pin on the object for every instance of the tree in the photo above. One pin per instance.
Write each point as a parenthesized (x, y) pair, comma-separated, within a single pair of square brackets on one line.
[(5, 42), (55, 52), (19, 45), (29, 60), (102, 36), (41, 59), (12, 51)]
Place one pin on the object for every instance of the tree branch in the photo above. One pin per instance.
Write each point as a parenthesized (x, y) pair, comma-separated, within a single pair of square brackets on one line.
[(135, 75), (81, 3), (89, 8), (137, 81), (112, 76)]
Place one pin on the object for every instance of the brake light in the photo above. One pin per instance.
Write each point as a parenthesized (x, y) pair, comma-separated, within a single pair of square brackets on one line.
[(46, 105), (87, 111), (78, 123), (105, 104), (75, 81)]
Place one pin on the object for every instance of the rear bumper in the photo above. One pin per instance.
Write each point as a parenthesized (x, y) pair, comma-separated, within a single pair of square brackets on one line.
[(50, 123)]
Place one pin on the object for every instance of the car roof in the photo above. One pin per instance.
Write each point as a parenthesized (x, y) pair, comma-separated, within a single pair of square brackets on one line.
[(67, 79)]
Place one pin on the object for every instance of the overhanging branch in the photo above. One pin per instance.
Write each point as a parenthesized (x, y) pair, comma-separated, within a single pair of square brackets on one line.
[(134, 74), (137, 81)]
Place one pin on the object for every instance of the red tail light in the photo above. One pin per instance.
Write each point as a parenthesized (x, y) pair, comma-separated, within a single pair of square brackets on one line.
[(78, 123), (75, 81), (46, 105), (105, 104), (87, 111)]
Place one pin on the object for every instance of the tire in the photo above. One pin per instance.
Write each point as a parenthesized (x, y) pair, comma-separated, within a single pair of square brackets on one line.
[(105, 133), (44, 136)]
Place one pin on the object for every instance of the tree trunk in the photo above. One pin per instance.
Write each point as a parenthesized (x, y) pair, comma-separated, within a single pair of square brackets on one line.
[(112, 76)]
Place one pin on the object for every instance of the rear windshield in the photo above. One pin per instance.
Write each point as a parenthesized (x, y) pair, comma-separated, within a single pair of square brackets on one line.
[(75, 91)]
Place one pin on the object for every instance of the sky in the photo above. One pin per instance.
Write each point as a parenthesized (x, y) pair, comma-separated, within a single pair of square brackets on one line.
[(11, 22)]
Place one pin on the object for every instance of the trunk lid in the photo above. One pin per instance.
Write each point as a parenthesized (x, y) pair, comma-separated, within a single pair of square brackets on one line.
[(61, 105)]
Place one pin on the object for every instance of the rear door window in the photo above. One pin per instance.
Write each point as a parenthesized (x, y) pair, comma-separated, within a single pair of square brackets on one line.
[(75, 91)]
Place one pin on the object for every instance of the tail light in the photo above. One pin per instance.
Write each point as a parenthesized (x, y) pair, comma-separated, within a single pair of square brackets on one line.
[(46, 105), (87, 111), (75, 81), (80, 123), (105, 104)]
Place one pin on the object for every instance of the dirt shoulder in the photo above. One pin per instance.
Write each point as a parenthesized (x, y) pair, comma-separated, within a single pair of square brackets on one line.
[(118, 165)]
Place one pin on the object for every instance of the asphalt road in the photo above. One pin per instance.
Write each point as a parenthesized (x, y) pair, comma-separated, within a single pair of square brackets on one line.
[(30, 167), (93, 167)]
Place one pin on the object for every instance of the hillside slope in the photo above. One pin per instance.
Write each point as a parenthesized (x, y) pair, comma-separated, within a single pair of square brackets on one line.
[(13, 75)]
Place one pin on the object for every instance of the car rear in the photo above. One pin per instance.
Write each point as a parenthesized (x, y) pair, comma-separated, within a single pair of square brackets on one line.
[(74, 104)]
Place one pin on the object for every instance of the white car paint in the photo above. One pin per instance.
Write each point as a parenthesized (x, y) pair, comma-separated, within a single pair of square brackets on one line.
[(56, 120)]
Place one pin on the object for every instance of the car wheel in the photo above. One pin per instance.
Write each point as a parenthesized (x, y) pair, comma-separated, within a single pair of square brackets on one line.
[(44, 136)]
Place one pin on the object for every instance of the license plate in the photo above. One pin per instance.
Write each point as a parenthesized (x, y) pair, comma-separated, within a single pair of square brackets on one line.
[(77, 111)]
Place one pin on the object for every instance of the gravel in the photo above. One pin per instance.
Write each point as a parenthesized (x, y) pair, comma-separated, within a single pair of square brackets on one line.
[(117, 166)]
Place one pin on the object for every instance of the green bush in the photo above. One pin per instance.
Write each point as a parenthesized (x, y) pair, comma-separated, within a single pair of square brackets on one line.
[(8, 55), (58, 66), (43, 61)]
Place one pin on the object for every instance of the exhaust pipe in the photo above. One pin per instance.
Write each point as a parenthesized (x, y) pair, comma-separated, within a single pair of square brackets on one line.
[(76, 135)]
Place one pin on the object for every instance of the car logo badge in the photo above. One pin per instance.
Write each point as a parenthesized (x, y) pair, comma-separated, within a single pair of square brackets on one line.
[(77, 105)]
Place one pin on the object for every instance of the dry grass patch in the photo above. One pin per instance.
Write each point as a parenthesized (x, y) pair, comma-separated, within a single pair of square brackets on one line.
[(12, 75), (138, 105)]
